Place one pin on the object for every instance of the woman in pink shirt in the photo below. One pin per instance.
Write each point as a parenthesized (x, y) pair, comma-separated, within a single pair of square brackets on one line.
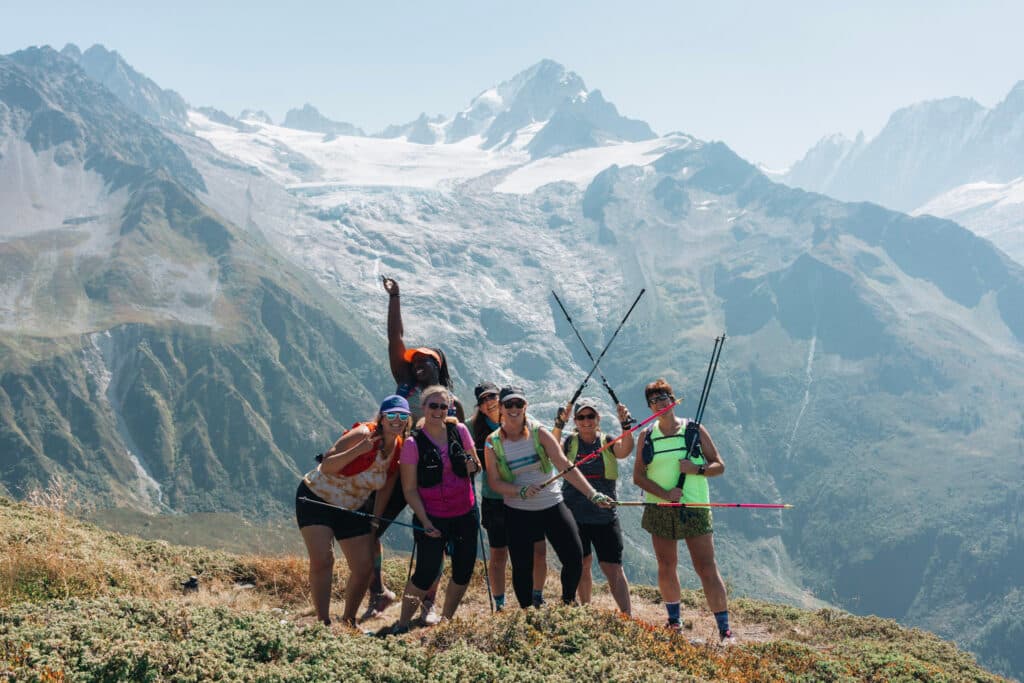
[(435, 466)]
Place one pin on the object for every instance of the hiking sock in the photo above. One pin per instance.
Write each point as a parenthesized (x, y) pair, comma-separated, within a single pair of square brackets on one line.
[(499, 601), (538, 597), (723, 622), (673, 611)]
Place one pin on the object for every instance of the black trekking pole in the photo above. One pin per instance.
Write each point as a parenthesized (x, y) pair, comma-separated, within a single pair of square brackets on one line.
[(604, 380), (606, 347), (691, 437), (487, 576)]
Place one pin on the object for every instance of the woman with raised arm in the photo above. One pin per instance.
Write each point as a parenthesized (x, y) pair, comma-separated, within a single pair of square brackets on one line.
[(661, 458), (437, 462), (355, 466), (413, 370), (521, 455)]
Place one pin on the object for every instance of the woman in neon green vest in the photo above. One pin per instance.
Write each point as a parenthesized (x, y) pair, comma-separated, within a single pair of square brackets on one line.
[(660, 460)]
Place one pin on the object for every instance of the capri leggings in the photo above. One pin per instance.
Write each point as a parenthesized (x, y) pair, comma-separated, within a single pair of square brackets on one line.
[(526, 528), (459, 534)]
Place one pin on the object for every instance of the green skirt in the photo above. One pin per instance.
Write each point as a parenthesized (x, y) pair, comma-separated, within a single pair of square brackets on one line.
[(676, 523)]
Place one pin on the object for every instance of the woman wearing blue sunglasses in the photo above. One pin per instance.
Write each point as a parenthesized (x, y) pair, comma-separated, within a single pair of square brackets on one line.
[(358, 464)]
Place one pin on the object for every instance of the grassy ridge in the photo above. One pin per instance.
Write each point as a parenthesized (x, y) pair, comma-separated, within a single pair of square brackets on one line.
[(85, 604)]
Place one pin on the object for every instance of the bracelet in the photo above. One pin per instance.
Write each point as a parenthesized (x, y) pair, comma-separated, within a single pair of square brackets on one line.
[(559, 424), (522, 493), (597, 494), (626, 424)]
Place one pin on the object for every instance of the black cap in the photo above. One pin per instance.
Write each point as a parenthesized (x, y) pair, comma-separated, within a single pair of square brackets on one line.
[(511, 392), (585, 403), (485, 389)]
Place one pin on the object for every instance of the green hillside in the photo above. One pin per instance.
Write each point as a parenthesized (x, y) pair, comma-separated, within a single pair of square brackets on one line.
[(80, 603)]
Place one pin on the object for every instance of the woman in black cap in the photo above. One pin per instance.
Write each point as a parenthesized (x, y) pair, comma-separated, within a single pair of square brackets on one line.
[(521, 456), (492, 504), (356, 465)]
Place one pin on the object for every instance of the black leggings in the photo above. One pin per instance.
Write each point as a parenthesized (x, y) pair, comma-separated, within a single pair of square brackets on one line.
[(526, 528), (459, 534)]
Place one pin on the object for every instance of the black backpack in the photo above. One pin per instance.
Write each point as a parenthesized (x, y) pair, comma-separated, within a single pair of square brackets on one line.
[(430, 467)]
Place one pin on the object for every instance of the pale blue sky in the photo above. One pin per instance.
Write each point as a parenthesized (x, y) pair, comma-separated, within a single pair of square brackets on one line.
[(769, 79)]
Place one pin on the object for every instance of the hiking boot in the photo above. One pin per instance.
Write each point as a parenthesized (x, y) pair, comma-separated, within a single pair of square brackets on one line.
[(377, 603), (538, 601), (674, 626), (727, 638), (428, 617)]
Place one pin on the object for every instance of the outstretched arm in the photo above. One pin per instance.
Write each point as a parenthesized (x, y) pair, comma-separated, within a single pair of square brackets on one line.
[(396, 346)]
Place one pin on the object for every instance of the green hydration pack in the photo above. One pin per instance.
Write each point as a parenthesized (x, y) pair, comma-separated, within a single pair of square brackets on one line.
[(611, 463), (504, 471), (662, 454)]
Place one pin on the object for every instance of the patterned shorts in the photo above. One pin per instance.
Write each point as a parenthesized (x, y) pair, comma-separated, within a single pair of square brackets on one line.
[(676, 523)]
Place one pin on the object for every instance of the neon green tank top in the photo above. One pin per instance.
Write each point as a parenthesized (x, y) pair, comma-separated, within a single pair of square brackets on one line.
[(663, 469)]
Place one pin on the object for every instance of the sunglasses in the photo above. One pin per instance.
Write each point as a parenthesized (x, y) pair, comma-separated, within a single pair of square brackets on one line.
[(437, 406), (487, 398), (658, 398), (514, 403), (587, 416), (395, 416), (426, 360)]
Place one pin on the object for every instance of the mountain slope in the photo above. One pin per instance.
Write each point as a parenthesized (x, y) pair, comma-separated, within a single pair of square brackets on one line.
[(952, 158), (249, 619), (152, 351)]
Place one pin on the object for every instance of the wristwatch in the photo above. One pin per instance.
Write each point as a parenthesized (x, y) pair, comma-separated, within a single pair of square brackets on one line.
[(701, 469)]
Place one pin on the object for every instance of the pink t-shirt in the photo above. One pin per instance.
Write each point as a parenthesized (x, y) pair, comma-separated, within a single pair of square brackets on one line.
[(454, 495)]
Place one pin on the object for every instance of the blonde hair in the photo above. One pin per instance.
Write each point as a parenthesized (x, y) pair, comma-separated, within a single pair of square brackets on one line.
[(432, 390)]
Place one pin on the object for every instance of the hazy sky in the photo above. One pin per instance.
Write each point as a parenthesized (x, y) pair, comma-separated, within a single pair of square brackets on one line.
[(769, 79)]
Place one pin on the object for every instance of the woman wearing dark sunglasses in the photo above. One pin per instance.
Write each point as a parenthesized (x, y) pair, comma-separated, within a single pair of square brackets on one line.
[(356, 465), (492, 504), (661, 458), (599, 529), (436, 464), (521, 455)]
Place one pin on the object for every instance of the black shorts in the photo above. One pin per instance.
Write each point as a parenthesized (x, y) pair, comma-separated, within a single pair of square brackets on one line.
[(344, 524), (492, 511), (606, 539), (396, 503)]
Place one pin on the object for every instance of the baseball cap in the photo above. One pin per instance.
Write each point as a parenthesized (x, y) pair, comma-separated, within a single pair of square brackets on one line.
[(585, 402), (394, 404)]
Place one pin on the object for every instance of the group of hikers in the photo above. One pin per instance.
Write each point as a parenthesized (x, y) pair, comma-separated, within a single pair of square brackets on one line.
[(420, 452)]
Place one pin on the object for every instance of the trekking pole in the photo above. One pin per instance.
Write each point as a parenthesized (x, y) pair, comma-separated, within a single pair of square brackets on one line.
[(604, 380), (691, 436), (361, 514), (408, 574), (606, 346), (760, 506), (611, 443), (487, 576)]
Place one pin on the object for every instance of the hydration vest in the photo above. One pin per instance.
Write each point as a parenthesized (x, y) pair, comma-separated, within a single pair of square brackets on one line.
[(611, 463), (430, 466), (662, 455), (504, 471)]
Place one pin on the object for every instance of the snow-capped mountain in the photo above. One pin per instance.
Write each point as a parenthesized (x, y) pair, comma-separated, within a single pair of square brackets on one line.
[(310, 119), (933, 157)]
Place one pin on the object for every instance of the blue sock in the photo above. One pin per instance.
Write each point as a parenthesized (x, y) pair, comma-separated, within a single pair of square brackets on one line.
[(673, 611), (499, 601), (538, 597), (723, 621)]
